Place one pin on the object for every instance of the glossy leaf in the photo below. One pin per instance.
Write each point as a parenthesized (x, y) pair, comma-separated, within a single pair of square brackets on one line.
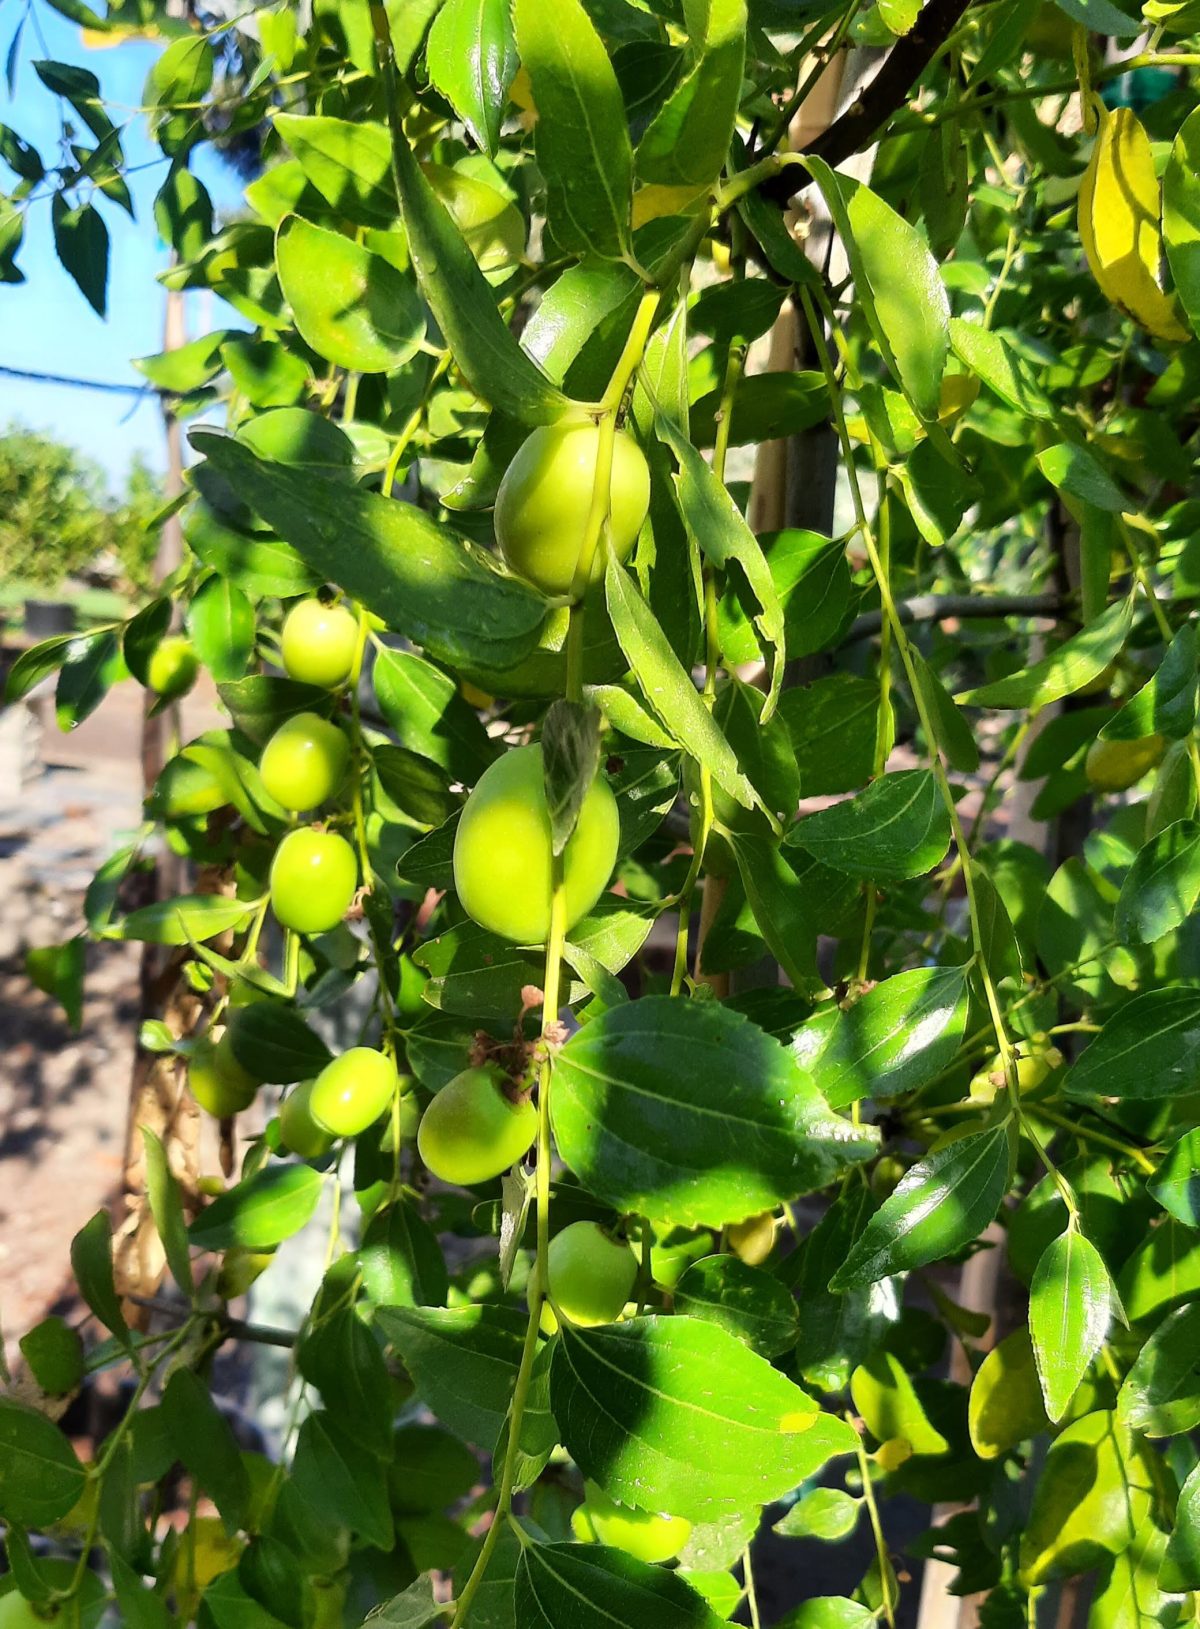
[(202, 1438), (1176, 1183), (941, 1204), (401, 1260), (1006, 1405), (1092, 1497), (581, 136), (887, 1400), (344, 1484), (463, 1361), (261, 1211), (353, 307), (1181, 215), (687, 141), (1160, 1395), (1002, 369), (1073, 664), (91, 668), (1162, 886), (429, 715), (897, 828), (391, 557), (274, 1043), (896, 1037), (1182, 1565), (1071, 1304), (92, 1263), (681, 1416), (748, 1302), (166, 1206), (180, 921), (349, 163), (1149, 1049), (1166, 703), (591, 1587), (471, 56), (685, 1112), (221, 623)]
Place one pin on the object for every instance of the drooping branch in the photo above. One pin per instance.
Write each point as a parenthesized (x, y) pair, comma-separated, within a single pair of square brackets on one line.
[(887, 92)]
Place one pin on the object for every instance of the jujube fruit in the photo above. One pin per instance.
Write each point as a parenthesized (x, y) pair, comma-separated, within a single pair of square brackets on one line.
[(1114, 766), (472, 1131), (352, 1092), (172, 668), (298, 1130), (319, 643), (503, 854), (314, 876), (1036, 1059), (217, 1080), (590, 1276), (543, 502), (305, 761), (639, 1533)]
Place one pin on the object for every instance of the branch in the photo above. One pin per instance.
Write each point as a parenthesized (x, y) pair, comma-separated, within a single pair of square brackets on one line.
[(939, 607), (887, 92)]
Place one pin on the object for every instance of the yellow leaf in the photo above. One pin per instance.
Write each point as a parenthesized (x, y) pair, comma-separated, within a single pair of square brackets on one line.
[(1119, 210)]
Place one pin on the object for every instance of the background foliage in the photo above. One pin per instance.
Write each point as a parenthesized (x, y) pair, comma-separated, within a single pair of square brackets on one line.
[(473, 222)]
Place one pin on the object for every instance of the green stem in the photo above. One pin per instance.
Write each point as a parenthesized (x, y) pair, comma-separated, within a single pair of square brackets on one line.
[(881, 1550), (751, 1592), (1088, 1134)]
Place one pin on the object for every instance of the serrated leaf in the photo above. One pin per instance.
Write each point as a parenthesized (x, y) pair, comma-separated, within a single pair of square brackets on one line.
[(593, 1587), (896, 1037), (463, 1361), (1073, 664), (261, 1211), (898, 827), (1149, 1049), (570, 761), (1071, 1304), (471, 56)]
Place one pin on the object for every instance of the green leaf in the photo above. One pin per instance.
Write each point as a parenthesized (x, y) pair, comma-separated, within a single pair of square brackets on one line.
[(1162, 885), (166, 1207), (1149, 1049), (471, 57), (1071, 1305), (1160, 1396), (417, 787), (59, 971), (424, 707), (895, 1038), (571, 760), (187, 367), (897, 828), (92, 1264), (746, 1301), (415, 1608), (257, 564), (348, 162), (1162, 1272), (81, 243), (202, 1438), (273, 1043), (1092, 1497), (40, 1475), (463, 1361), (92, 667), (687, 142), (592, 1587), (940, 1205), (1002, 369), (1176, 1183), (1005, 1407), (182, 920), (184, 73), (954, 734), (81, 88), (680, 1416), (832, 725), (1183, 1548), (398, 562), (766, 407), (828, 1514), (1181, 216), (1076, 472), (686, 1112), (345, 1485), (897, 280), (581, 137), (667, 686), (261, 1211), (260, 703), (353, 307), (1166, 703), (782, 906), (998, 944), (887, 1400), (829, 1612), (716, 523), (401, 1260), (183, 213), (1070, 666), (464, 306), (341, 1357), (35, 664), (220, 620)]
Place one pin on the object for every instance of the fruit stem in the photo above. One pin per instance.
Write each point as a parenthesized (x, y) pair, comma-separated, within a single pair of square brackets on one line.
[(551, 991), (886, 1576)]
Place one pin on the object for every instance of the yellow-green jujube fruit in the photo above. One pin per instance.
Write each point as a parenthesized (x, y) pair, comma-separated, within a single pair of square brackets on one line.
[(1036, 1059), (298, 1130), (217, 1080), (472, 1131), (503, 853), (305, 761), (1114, 766), (172, 668), (320, 643), (590, 1275), (352, 1092), (753, 1239), (639, 1533), (314, 876), (543, 502)]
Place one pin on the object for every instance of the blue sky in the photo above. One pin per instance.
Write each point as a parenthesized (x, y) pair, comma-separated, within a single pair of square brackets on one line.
[(45, 323)]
